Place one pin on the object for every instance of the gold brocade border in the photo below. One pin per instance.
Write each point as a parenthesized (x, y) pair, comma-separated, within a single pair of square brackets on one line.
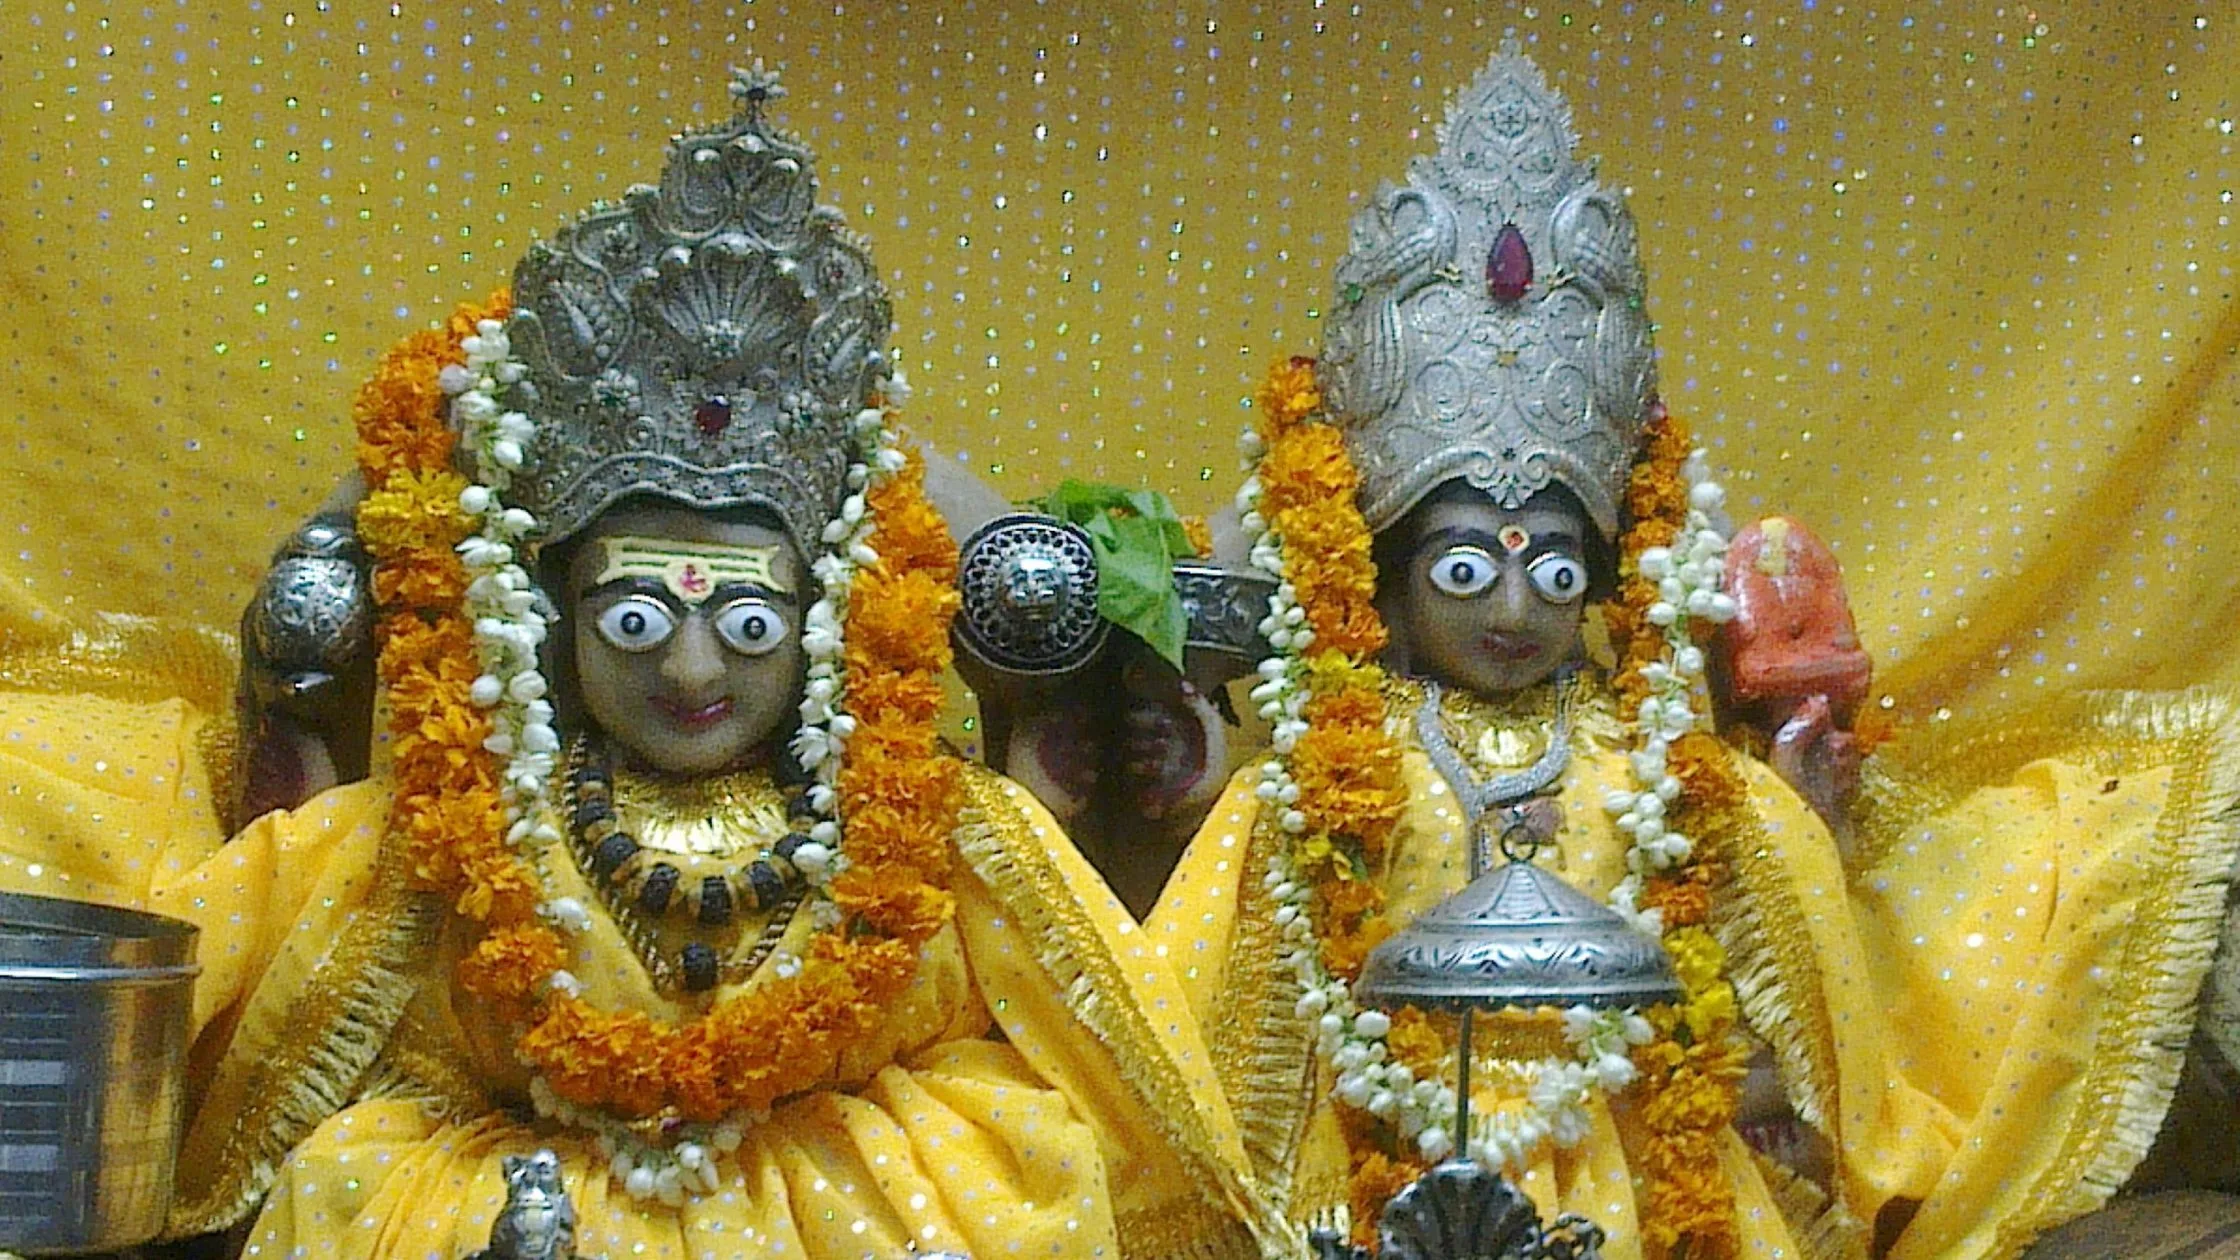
[(1185, 1234), (420, 1064), (1772, 964), (1262, 1052), (1823, 1228), (143, 659), (995, 841), (2140, 1047), (354, 999)]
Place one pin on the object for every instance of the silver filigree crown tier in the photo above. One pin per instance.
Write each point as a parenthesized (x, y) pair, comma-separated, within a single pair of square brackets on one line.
[(1490, 321), (706, 341)]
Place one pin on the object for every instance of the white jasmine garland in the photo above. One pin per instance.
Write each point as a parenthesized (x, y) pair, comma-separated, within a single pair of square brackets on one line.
[(502, 601), (1689, 576), (1351, 1039), (686, 1167)]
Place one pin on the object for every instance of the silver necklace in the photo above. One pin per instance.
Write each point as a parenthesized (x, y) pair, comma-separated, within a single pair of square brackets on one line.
[(1502, 789)]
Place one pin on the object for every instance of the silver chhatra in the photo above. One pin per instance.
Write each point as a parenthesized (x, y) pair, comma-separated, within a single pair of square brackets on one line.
[(1464, 1211), (1518, 938), (538, 1221), (706, 341), (1029, 588), (1443, 359)]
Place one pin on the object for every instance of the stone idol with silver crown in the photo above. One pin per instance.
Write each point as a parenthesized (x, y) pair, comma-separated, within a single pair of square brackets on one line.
[(665, 806)]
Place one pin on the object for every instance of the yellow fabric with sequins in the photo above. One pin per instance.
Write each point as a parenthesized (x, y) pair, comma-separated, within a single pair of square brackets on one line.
[(1041, 1087), (1977, 1017)]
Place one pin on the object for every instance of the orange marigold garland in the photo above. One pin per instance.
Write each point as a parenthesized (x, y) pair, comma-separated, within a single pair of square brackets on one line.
[(466, 742), (1335, 788), (1691, 1073)]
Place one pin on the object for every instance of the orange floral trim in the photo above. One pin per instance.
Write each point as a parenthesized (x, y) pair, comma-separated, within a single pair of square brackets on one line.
[(1690, 1075), (898, 796), (1345, 764), (447, 819)]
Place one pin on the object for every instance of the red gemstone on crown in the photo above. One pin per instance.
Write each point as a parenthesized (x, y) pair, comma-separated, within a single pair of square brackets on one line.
[(712, 417), (1508, 265)]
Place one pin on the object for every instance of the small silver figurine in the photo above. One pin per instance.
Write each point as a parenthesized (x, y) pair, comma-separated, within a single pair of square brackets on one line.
[(538, 1221)]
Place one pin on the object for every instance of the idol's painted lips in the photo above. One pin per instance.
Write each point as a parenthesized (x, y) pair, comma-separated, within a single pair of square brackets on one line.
[(1510, 648), (693, 717)]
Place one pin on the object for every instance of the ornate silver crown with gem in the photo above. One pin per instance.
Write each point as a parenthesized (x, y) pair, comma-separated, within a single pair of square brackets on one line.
[(1489, 322), (705, 341)]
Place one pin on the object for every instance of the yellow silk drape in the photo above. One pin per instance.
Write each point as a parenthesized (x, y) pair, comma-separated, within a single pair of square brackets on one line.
[(1951, 281)]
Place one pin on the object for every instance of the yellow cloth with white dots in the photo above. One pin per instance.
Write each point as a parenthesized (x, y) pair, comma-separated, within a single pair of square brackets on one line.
[(1951, 281), (1983, 1014), (1041, 1088)]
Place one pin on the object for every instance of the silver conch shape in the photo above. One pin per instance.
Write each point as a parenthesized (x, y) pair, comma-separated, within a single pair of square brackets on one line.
[(1436, 372), (706, 340), (1462, 1210)]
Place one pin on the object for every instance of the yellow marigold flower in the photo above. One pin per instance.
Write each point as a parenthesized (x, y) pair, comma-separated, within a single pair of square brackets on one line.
[(1712, 1011), (911, 534), (895, 903), (1288, 395), (508, 965), (1696, 958), (417, 511), (400, 410), (900, 620), (1416, 1041)]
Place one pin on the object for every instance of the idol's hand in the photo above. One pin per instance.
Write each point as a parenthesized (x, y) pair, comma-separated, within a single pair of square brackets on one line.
[(1820, 762), (1771, 1126), (1173, 743), (1055, 750)]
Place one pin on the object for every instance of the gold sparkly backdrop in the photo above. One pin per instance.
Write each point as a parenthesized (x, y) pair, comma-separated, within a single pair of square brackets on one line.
[(1954, 281)]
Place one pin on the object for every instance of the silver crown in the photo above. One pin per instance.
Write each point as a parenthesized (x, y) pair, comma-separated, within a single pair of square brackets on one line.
[(705, 341), (1490, 321)]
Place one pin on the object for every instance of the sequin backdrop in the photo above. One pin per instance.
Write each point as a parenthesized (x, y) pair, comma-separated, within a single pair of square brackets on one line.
[(1954, 282)]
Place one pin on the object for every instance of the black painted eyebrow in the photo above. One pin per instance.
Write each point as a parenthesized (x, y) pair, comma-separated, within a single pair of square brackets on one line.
[(634, 584), (1464, 535), (1460, 536), (729, 591)]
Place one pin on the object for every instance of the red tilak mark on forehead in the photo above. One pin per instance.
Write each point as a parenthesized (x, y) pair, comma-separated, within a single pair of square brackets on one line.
[(1514, 538), (692, 580)]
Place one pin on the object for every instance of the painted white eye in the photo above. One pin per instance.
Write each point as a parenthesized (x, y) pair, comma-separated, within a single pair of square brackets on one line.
[(1559, 578), (637, 624), (1464, 571), (751, 627)]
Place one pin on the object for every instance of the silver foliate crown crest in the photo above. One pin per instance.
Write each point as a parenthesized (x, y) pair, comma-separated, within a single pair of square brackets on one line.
[(705, 341), (1489, 322)]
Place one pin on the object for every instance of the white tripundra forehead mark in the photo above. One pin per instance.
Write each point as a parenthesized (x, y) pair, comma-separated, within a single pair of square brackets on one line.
[(690, 571)]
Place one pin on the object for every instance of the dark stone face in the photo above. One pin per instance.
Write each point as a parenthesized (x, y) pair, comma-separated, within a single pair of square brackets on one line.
[(1492, 597)]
